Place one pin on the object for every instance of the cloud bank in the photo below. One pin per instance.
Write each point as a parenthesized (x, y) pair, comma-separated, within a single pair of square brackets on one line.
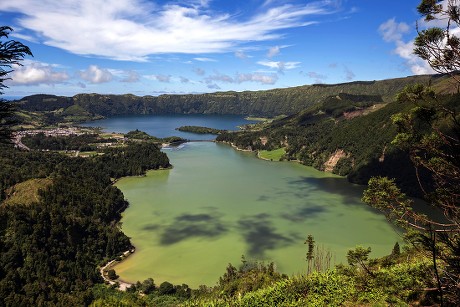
[(134, 29)]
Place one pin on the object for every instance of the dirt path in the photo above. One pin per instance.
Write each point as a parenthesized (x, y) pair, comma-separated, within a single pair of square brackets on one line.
[(122, 285)]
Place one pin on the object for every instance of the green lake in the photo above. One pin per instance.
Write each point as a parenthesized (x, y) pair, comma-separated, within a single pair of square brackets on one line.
[(218, 204)]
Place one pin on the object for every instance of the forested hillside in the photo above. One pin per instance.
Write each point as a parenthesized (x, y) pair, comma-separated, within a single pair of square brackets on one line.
[(346, 134), (268, 103), (51, 247)]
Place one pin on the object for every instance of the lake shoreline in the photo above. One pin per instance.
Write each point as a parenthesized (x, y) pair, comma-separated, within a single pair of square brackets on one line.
[(122, 285), (284, 197)]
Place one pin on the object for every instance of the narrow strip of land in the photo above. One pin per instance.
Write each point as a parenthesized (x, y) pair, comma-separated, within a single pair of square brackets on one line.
[(122, 285)]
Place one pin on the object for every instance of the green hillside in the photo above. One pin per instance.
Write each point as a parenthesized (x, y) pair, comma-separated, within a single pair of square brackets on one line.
[(267, 103), (350, 135)]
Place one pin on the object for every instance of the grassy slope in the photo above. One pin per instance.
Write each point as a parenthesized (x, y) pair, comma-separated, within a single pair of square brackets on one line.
[(272, 155), (27, 192)]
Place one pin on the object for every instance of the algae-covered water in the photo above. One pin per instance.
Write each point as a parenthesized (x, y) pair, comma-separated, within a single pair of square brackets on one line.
[(218, 204)]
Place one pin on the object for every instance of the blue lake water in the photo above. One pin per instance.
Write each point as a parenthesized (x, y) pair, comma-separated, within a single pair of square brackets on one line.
[(165, 125)]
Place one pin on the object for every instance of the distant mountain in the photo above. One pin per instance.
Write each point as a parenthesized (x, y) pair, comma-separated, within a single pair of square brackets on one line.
[(268, 103)]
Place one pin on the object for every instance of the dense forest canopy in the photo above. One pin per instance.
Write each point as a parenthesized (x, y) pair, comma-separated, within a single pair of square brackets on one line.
[(51, 249)]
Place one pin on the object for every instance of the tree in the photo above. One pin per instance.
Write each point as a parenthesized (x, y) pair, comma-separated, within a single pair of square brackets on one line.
[(11, 53), (166, 288), (396, 251), (147, 286), (439, 46), (430, 133), (6, 121), (111, 274), (310, 253), (360, 256)]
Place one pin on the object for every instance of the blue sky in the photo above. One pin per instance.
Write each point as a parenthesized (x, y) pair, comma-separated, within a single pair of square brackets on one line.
[(154, 47)]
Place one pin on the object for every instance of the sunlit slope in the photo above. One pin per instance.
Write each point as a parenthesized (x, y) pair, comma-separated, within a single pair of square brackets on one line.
[(261, 103)]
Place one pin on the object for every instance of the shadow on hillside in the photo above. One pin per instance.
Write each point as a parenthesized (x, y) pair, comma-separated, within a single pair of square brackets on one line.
[(396, 165)]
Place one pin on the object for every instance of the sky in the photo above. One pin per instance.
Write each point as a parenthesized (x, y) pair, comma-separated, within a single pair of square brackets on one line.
[(147, 47)]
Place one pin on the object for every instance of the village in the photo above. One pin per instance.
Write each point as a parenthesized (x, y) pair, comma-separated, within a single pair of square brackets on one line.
[(67, 132)]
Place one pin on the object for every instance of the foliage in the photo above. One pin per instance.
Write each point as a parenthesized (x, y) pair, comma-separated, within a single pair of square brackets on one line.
[(142, 294), (84, 142), (6, 120), (11, 53), (430, 132), (439, 46), (166, 288), (399, 283), (111, 274), (147, 286), (309, 256), (139, 135), (313, 136), (200, 130), (26, 192), (346, 97), (50, 251), (360, 256)]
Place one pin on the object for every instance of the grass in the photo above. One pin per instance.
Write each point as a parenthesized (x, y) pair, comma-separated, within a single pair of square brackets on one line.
[(86, 154), (272, 155), (26, 192), (259, 119)]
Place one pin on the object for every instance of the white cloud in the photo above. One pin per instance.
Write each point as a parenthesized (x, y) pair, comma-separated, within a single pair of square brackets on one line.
[(280, 66), (134, 29), (34, 73), (405, 50), (205, 60), (131, 76), (241, 55), (392, 31), (316, 75), (219, 77), (26, 37), (94, 74), (160, 78), (258, 77), (240, 78), (273, 51)]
